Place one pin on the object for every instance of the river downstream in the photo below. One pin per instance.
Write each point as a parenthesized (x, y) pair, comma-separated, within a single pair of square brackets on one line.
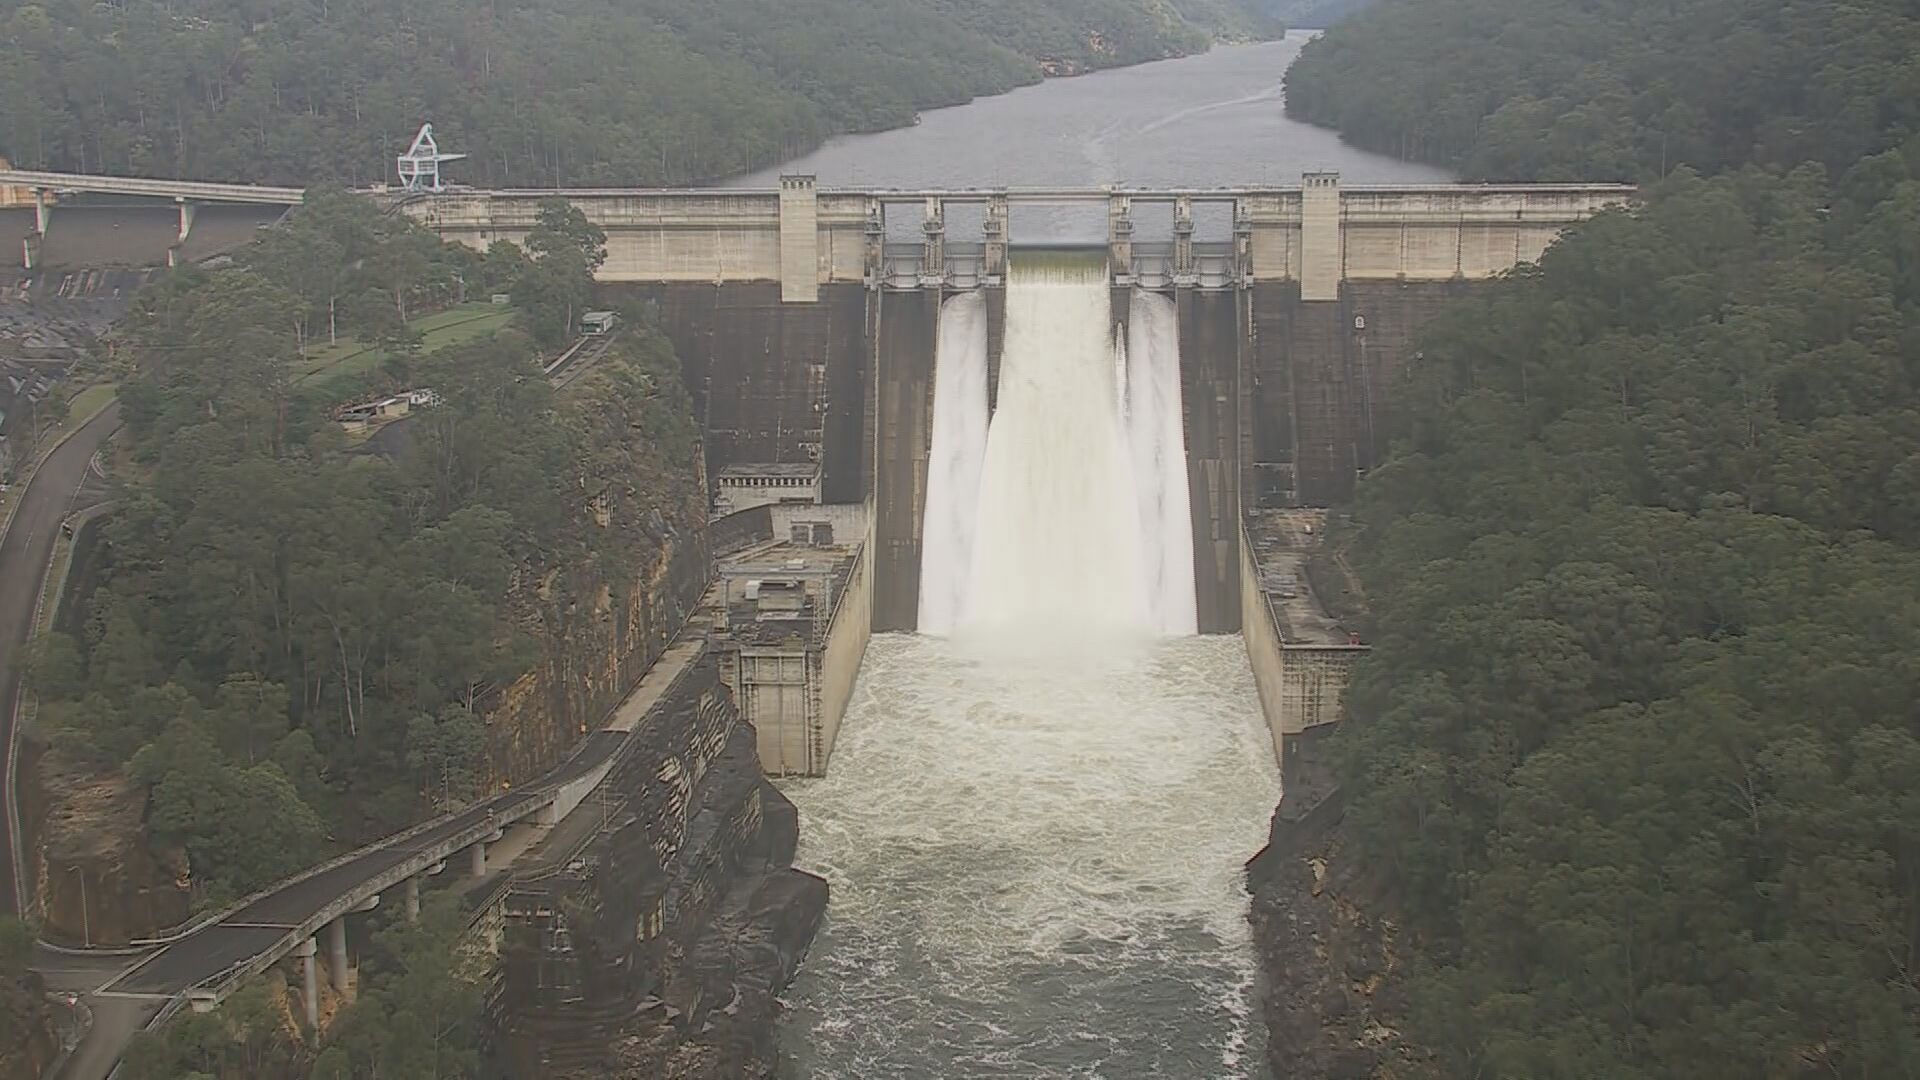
[(1036, 854)]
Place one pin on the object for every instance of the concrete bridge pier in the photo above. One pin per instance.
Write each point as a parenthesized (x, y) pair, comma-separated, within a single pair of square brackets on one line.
[(477, 854), (30, 245), (337, 954), (187, 210), (305, 951), (410, 894), (994, 271)]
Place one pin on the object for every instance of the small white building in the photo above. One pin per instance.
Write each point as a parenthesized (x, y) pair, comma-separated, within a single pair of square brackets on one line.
[(364, 415), (743, 487)]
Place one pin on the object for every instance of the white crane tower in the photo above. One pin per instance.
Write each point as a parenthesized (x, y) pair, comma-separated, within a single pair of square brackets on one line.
[(420, 165)]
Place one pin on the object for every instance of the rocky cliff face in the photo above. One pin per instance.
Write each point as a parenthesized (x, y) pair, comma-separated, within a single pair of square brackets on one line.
[(595, 639), (657, 950), (1330, 958), (99, 881)]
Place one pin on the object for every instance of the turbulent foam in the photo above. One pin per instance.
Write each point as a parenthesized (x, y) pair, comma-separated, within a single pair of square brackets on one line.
[(1036, 866)]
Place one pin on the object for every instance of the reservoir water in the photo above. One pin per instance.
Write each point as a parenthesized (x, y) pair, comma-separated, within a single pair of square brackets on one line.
[(1037, 813)]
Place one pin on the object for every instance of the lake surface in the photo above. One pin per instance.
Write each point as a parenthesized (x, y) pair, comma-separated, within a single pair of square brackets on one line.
[(1036, 861), (1213, 120)]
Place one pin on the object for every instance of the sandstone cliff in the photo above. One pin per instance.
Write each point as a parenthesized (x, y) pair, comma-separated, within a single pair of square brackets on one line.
[(657, 948), (1329, 953)]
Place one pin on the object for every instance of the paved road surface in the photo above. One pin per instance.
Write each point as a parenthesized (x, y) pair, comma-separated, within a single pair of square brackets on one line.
[(24, 554), (246, 933)]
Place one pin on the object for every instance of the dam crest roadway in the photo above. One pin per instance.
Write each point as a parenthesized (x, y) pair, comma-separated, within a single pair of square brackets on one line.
[(1319, 233)]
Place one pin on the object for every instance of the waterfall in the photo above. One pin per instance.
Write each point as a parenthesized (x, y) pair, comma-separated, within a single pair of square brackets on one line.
[(953, 466), (1072, 516), (1157, 432)]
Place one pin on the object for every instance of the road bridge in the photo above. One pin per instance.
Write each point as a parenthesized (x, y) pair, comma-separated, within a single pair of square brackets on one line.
[(46, 189)]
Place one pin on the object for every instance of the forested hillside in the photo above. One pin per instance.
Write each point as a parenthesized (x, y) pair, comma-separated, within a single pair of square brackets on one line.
[(1616, 89), (1634, 758), (538, 91), (296, 640)]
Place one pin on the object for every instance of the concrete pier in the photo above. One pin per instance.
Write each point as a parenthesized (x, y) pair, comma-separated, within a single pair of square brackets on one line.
[(477, 859), (410, 899), (337, 953), (311, 986), (903, 396)]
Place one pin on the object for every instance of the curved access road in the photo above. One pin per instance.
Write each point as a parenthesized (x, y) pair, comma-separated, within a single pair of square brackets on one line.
[(25, 549)]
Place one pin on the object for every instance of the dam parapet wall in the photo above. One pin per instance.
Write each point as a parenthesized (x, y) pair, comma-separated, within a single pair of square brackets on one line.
[(1317, 234)]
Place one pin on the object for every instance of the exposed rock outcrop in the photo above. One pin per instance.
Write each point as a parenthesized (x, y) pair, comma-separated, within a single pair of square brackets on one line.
[(100, 881), (1330, 959), (656, 949)]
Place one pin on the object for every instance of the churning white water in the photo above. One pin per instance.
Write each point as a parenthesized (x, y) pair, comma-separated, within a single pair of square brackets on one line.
[(1036, 867), (1035, 827)]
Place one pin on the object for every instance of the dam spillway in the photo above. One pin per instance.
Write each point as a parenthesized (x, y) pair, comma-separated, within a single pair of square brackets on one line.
[(1034, 824), (1069, 509)]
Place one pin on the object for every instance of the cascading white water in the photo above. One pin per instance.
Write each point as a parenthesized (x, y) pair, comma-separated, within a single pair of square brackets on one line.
[(1058, 542), (1070, 510), (953, 467), (1156, 430)]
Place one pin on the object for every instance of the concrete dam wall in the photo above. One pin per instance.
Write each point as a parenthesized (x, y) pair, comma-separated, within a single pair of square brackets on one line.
[(808, 330), (1284, 401)]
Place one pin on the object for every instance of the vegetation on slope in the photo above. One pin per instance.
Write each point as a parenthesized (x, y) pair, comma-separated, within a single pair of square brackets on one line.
[(1616, 89), (538, 91), (418, 1012), (294, 642), (1634, 754)]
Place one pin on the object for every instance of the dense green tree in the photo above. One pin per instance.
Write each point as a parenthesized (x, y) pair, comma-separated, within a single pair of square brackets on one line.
[(1644, 561), (1616, 89), (422, 1015), (1645, 585), (294, 643), (539, 92)]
